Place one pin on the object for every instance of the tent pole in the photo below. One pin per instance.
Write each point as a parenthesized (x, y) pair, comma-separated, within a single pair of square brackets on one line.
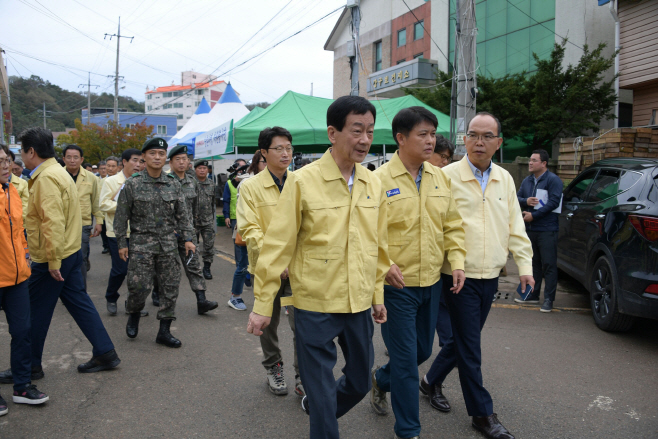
[(384, 151)]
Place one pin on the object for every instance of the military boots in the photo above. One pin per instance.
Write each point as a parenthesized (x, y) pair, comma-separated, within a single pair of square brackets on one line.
[(132, 327), (206, 271), (204, 305), (164, 336)]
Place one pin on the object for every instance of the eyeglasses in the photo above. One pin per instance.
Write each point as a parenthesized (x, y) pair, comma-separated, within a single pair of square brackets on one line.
[(280, 149), (447, 158), (486, 137), (262, 161), (5, 162)]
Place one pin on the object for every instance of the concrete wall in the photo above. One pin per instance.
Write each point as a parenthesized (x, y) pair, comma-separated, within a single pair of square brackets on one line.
[(412, 47), (440, 33), (133, 118), (519, 169)]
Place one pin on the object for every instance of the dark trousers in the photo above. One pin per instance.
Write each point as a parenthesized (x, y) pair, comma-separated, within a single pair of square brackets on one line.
[(118, 271), (468, 313), (104, 237), (44, 292), (544, 262), (443, 326), (328, 398), (409, 335), (86, 232), (15, 301)]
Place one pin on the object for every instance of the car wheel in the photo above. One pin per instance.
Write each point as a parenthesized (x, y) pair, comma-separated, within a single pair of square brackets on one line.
[(603, 298)]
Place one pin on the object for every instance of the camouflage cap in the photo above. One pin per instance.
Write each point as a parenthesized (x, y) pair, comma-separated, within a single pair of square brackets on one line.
[(176, 150), (201, 162), (155, 143)]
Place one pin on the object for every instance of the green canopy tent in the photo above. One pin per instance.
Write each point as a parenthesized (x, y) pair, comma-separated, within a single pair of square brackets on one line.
[(306, 119)]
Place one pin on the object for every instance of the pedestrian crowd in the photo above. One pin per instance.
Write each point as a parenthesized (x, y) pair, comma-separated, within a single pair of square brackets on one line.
[(415, 246)]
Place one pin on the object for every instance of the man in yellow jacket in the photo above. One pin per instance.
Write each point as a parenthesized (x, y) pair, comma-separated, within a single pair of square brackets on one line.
[(53, 224), (89, 190), (423, 226), (329, 230), (486, 199), (257, 204), (14, 294)]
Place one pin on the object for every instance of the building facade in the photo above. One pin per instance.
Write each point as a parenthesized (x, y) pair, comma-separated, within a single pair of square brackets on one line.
[(183, 100), (638, 58), (164, 125), (393, 32)]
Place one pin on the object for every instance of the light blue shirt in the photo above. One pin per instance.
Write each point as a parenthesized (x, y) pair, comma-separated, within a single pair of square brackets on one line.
[(419, 177), (350, 183), (481, 177)]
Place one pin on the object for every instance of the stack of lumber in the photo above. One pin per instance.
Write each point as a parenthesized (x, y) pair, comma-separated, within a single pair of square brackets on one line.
[(577, 154)]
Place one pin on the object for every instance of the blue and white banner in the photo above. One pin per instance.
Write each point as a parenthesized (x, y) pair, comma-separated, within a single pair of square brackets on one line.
[(214, 142)]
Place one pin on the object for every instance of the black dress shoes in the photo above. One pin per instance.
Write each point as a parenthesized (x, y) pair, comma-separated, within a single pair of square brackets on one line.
[(6, 376), (108, 360), (435, 394), (491, 427)]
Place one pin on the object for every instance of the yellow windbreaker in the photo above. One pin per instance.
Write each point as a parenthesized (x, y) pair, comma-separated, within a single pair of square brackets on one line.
[(53, 221), (89, 191), (422, 226), (493, 222), (333, 241)]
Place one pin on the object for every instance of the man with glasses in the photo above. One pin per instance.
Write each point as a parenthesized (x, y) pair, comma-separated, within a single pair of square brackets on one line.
[(486, 199), (256, 206), (542, 226), (443, 152)]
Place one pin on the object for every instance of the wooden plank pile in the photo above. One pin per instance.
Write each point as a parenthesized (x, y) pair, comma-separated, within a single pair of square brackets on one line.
[(576, 154)]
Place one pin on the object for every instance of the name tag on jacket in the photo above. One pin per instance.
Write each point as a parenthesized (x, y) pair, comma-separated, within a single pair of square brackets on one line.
[(392, 192)]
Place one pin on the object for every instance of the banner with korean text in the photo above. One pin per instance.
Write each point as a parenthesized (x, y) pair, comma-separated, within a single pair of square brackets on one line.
[(214, 142)]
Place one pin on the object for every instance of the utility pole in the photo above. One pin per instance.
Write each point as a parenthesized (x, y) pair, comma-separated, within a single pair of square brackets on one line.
[(89, 86), (311, 89), (44, 114), (116, 75), (465, 69), (355, 59)]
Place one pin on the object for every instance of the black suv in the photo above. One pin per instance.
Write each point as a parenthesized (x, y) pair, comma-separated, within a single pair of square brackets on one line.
[(608, 239)]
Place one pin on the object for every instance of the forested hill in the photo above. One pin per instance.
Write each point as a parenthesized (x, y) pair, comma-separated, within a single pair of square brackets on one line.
[(29, 94)]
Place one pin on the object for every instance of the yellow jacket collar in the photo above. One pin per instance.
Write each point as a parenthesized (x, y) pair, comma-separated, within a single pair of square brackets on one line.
[(466, 173), (398, 168), (47, 164), (330, 171), (267, 179)]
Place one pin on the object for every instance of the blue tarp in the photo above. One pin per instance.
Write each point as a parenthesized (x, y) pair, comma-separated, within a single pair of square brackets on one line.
[(229, 95), (203, 108), (188, 141), (603, 2)]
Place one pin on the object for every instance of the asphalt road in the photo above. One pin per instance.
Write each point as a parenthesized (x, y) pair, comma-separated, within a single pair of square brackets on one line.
[(551, 376)]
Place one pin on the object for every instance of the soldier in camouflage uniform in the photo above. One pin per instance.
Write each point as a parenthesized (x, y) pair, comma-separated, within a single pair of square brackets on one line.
[(207, 215), (154, 204), (179, 161)]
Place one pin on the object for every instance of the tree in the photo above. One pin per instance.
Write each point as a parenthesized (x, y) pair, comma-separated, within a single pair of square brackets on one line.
[(99, 142), (553, 101)]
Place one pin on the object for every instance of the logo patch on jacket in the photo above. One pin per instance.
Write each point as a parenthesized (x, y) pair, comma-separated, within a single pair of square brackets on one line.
[(392, 192)]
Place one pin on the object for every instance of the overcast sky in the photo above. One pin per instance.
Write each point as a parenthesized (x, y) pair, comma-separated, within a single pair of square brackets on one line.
[(172, 36)]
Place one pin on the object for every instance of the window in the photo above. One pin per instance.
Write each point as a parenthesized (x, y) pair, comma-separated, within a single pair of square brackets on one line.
[(162, 129), (149, 97), (378, 56), (402, 37), (576, 191), (178, 105), (419, 30), (196, 104), (194, 76), (150, 107), (179, 116), (654, 118), (166, 95), (199, 92), (130, 125), (605, 186), (177, 93), (179, 128), (401, 61), (418, 55)]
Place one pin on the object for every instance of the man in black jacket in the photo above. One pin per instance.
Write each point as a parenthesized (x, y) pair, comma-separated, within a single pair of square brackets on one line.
[(540, 196)]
